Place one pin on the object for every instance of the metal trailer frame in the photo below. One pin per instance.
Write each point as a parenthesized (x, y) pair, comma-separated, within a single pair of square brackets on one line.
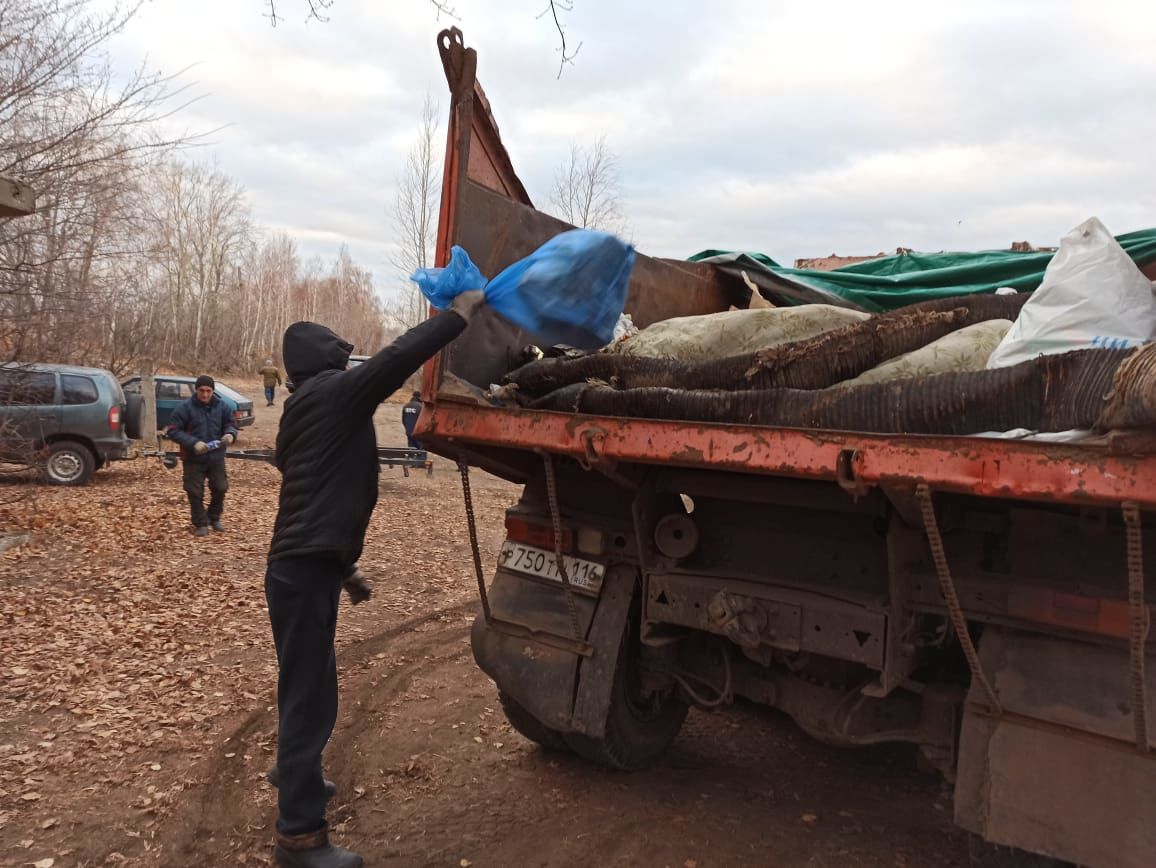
[(387, 456)]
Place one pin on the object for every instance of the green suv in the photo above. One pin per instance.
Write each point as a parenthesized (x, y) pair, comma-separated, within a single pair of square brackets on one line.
[(67, 421)]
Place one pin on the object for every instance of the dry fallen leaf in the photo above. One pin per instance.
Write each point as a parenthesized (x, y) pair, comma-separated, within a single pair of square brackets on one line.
[(48, 824), (810, 818), (44, 863), (31, 797), (465, 863)]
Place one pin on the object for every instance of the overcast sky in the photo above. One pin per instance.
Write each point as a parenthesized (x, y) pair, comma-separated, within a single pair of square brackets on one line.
[(797, 128)]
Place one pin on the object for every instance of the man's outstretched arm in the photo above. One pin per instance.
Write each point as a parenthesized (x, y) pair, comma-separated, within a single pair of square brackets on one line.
[(378, 377)]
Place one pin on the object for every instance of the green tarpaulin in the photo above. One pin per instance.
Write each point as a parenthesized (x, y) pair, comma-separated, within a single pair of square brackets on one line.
[(894, 281)]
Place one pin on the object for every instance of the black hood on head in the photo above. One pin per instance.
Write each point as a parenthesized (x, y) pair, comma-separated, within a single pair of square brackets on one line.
[(309, 348)]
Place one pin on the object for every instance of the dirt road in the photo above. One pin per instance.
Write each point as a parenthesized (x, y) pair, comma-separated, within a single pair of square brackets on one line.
[(138, 718)]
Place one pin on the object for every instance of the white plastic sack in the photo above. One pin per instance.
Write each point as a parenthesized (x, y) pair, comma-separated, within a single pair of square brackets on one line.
[(735, 332), (624, 328), (1092, 295), (966, 349)]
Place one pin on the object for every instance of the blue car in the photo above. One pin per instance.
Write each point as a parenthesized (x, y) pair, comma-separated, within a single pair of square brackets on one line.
[(172, 391)]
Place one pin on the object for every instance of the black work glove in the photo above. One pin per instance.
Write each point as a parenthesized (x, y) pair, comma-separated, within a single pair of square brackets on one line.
[(357, 586)]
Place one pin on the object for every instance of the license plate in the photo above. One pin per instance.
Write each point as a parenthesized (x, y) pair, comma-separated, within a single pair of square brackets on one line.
[(532, 561)]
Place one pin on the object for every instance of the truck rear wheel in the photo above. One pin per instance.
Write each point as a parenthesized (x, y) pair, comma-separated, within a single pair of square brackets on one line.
[(639, 727), (982, 854), (529, 726)]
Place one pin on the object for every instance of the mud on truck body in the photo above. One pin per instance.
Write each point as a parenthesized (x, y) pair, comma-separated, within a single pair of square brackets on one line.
[(986, 600)]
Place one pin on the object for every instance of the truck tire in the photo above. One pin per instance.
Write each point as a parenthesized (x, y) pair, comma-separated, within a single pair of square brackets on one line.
[(68, 463), (133, 416), (529, 726), (638, 729), (983, 854)]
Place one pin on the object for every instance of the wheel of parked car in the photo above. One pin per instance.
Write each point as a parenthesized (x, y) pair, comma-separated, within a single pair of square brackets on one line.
[(134, 416), (529, 726), (68, 463)]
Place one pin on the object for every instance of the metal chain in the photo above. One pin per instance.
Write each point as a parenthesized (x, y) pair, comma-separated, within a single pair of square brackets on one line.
[(947, 588), (556, 515), (471, 522), (1138, 621)]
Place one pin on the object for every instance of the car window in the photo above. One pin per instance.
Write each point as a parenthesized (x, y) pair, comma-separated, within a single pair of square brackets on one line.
[(168, 391), (27, 387), (76, 389)]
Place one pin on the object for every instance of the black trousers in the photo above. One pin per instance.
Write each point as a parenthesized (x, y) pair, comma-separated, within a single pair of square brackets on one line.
[(194, 481), (304, 621)]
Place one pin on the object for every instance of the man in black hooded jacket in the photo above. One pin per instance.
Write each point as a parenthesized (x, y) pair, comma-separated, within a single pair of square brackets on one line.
[(327, 455)]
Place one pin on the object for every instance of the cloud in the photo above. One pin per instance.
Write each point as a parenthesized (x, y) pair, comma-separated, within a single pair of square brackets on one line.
[(798, 129)]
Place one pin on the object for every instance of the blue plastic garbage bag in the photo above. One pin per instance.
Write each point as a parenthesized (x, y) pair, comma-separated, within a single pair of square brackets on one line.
[(571, 290), (441, 286)]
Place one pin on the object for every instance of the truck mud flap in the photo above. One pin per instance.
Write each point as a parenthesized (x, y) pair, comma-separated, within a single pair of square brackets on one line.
[(596, 673), (563, 689), (1058, 772), (539, 677)]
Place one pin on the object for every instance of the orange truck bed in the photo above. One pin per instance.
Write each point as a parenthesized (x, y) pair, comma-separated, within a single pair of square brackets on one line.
[(486, 210)]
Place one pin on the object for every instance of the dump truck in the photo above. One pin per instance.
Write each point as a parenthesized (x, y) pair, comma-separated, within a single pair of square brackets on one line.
[(986, 600)]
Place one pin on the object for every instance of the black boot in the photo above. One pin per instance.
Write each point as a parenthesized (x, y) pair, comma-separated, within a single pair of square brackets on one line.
[(274, 779), (313, 850)]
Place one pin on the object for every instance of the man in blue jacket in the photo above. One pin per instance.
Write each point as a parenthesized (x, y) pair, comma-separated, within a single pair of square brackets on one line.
[(203, 426)]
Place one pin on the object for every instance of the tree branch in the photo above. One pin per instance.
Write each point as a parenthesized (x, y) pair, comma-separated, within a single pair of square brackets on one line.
[(567, 55), (317, 10)]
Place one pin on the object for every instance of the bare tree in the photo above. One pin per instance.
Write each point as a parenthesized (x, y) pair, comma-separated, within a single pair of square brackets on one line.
[(201, 230), (222, 297), (586, 190), (129, 252), (80, 140), (415, 214)]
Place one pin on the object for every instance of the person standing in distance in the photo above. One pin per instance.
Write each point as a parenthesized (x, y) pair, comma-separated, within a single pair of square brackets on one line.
[(271, 377), (327, 455), (409, 414), (203, 426)]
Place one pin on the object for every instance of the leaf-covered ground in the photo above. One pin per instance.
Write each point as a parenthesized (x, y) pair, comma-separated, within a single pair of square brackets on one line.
[(137, 714)]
